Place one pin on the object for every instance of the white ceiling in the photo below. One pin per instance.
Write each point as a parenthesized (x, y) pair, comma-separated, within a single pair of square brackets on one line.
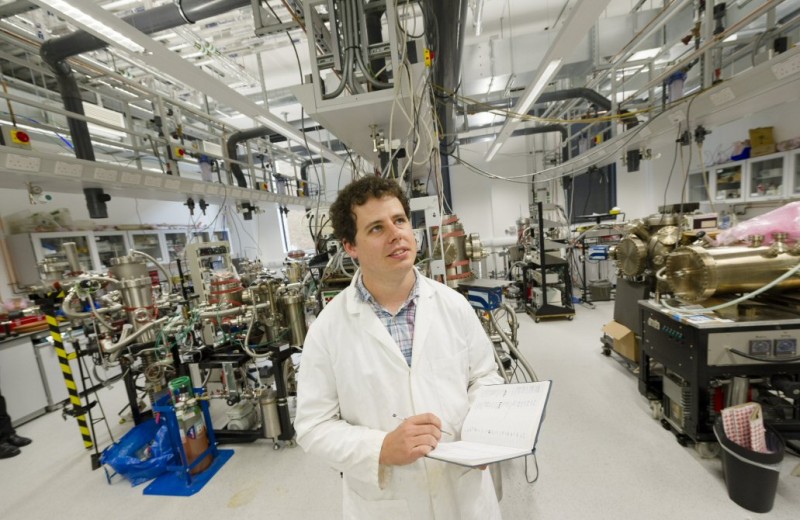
[(515, 35)]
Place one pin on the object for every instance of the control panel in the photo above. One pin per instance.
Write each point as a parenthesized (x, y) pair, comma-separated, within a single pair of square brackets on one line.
[(752, 347), (667, 326)]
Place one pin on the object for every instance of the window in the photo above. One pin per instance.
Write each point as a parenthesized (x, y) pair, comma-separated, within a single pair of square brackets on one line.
[(591, 193)]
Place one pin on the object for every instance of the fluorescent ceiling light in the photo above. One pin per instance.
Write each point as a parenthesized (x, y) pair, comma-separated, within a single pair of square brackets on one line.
[(110, 35), (477, 17), (119, 3), (621, 96), (629, 70), (538, 87), (529, 98), (646, 54), (106, 116), (731, 38)]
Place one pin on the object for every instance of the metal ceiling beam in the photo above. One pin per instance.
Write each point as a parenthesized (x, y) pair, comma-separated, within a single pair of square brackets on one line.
[(581, 18), (707, 45), (159, 57)]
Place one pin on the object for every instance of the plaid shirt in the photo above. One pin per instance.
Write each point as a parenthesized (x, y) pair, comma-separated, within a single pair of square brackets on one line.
[(400, 325)]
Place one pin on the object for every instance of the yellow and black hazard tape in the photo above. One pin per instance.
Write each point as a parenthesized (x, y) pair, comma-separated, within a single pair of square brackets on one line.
[(69, 380)]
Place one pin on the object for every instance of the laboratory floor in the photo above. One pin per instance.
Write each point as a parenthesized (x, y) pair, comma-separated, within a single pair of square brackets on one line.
[(600, 456)]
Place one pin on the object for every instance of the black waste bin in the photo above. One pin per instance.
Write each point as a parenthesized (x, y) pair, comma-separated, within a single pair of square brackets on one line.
[(751, 477)]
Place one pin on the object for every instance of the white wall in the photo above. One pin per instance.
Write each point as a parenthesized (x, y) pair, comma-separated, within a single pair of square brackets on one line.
[(489, 206)]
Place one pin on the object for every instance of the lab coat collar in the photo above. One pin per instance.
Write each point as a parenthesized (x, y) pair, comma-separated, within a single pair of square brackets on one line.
[(356, 306), (370, 323)]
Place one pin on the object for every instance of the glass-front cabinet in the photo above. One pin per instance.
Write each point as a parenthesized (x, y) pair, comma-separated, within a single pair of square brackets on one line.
[(697, 188), (95, 249), (796, 174), (110, 244), (215, 236), (727, 182), (766, 177), (176, 243), (46, 244), (148, 242)]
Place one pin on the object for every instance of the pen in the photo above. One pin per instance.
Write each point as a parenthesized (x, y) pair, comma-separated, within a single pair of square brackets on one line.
[(400, 418)]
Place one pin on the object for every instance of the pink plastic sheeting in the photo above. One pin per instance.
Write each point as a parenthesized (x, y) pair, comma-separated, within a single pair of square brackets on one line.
[(785, 219)]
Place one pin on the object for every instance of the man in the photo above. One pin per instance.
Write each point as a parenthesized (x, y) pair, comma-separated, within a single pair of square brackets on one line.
[(10, 442), (389, 366)]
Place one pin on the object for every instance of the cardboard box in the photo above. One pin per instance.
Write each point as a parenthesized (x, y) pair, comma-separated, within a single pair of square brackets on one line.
[(762, 149), (622, 340), (762, 141)]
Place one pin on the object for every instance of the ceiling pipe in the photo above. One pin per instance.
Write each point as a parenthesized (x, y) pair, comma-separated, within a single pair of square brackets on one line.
[(304, 173), (592, 96), (15, 8), (55, 52), (544, 129), (450, 18), (233, 141), (263, 131)]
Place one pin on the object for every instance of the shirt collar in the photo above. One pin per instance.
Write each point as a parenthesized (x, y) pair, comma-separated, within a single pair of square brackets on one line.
[(367, 297)]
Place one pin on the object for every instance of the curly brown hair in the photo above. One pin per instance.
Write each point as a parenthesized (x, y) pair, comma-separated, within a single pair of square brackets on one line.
[(358, 193)]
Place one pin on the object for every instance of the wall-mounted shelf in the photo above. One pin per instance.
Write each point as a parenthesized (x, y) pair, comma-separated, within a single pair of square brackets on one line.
[(66, 174)]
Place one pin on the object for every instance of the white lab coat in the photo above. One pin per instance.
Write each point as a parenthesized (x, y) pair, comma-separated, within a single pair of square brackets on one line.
[(353, 378)]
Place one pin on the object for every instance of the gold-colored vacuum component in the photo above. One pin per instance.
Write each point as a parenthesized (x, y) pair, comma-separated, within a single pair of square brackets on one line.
[(695, 273)]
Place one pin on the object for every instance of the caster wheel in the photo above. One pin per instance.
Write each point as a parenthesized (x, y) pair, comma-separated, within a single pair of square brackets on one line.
[(665, 424), (571, 318), (276, 446), (707, 450), (656, 410), (606, 352), (682, 439), (537, 320)]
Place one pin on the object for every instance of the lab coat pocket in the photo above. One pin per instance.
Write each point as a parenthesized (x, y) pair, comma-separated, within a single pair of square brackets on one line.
[(448, 379), (450, 367), (358, 507), (477, 496)]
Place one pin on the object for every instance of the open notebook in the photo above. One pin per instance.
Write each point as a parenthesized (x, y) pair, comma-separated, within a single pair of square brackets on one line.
[(503, 423)]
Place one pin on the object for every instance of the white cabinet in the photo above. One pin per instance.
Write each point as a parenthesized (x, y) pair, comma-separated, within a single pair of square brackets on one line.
[(29, 249), (110, 244), (697, 187), (727, 182), (51, 244), (148, 242), (21, 381), (767, 179), (97, 248), (176, 244)]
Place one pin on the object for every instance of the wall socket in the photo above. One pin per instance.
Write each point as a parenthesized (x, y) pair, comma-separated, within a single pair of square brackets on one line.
[(787, 68), (22, 163)]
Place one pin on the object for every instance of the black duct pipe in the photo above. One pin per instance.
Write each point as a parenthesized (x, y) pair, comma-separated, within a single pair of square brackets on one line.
[(304, 172), (15, 8), (234, 140), (55, 52), (544, 129), (594, 97), (450, 20)]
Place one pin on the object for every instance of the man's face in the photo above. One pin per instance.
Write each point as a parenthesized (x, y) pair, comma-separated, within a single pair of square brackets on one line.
[(384, 245)]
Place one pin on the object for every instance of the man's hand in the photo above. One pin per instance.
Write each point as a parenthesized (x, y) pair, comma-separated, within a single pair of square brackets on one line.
[(414, 438)]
